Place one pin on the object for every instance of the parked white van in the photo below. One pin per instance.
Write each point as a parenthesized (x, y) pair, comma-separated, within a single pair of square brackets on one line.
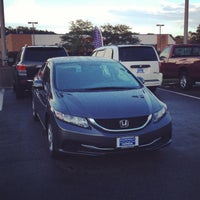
[(141, 60)]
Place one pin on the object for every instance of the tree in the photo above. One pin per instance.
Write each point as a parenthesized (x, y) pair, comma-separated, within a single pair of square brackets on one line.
[(25, 30), (78, 40), (195, 37), (118, 34), (179, 39), (198, 34)]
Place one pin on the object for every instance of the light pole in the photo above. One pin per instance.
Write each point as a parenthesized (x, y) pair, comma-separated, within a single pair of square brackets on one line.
[(3, 36), (33, 27), (186, 22), (160, 25)]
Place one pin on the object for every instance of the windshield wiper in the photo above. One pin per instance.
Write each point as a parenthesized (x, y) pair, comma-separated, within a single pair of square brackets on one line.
[(99, 89), (110, 88)]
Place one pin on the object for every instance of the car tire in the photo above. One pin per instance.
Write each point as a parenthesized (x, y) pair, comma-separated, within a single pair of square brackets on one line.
[(185, 81), (34, 113), (51, 141)]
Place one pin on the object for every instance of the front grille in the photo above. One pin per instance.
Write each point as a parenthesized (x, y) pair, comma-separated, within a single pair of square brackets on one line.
[(122, 124)]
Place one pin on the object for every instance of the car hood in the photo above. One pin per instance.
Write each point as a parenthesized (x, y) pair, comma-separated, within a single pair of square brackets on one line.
[(110, 104)]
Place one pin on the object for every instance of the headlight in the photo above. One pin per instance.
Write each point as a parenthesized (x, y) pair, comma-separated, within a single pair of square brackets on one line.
[(158, 115), (78, 121)]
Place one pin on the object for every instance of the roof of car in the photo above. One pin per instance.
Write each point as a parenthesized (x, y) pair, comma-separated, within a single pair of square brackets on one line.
[(131, 45), (185, 45), (43, 46), (78, 59), (124, 45)]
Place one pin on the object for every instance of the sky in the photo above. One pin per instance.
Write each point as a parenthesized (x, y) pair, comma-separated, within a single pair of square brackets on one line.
[(141, 16)]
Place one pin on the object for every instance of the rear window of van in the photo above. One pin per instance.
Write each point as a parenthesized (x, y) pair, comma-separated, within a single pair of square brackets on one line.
[(137, 54)]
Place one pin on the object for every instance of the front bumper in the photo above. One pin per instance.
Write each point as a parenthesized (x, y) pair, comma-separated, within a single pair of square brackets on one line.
[(75, 140), (153, 81)]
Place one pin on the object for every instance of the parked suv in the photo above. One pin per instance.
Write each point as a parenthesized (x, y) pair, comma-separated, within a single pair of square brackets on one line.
[(141, 60), (29, 61)]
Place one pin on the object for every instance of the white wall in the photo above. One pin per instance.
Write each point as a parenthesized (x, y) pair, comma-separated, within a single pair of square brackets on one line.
[(147, 39), (43, 39), (53, 39)]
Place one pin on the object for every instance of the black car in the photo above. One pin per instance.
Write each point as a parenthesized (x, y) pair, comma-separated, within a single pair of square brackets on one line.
[(95, 106), (29, 61)]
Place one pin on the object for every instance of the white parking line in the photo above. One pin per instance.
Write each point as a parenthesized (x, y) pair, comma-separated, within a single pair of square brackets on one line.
[(185, 95), (1, 98)]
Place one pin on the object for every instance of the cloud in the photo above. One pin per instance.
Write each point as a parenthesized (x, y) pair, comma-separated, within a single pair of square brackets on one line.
[(170, 14), (194, 16), (54, 16)]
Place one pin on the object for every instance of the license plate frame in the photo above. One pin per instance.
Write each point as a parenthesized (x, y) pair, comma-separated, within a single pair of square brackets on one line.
[(127, 142)]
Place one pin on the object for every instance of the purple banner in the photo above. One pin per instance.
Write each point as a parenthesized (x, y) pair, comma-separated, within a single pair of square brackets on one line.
[(98, 39)]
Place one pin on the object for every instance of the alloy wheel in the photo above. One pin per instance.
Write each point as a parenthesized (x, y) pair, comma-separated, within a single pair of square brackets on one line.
[(50, 138), (183, 82)]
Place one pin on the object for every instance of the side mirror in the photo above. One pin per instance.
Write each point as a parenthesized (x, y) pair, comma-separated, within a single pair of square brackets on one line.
[(38, 84)]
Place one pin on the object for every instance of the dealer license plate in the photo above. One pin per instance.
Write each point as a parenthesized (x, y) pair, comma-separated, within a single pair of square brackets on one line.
[(140, 70), (127, 142)]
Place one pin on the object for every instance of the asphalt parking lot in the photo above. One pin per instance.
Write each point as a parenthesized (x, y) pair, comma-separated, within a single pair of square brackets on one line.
[(172, 85), (27, 172)]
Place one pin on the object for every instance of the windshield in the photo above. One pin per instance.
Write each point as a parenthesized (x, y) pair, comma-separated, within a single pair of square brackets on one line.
[(93, 76), (137, 53)]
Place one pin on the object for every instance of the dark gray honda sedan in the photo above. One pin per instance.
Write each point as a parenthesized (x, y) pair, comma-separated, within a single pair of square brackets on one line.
[(95, 106)]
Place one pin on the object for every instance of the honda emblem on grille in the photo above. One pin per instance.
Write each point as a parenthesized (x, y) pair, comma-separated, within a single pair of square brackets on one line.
[(124, 123)]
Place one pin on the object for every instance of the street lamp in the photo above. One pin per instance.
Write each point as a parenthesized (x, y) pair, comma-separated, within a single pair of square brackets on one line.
[(33, 28), (3, 36), (160, 25), (186, 15)]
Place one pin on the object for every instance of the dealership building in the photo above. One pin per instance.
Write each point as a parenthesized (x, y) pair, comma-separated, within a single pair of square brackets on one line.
[(14, 42)]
